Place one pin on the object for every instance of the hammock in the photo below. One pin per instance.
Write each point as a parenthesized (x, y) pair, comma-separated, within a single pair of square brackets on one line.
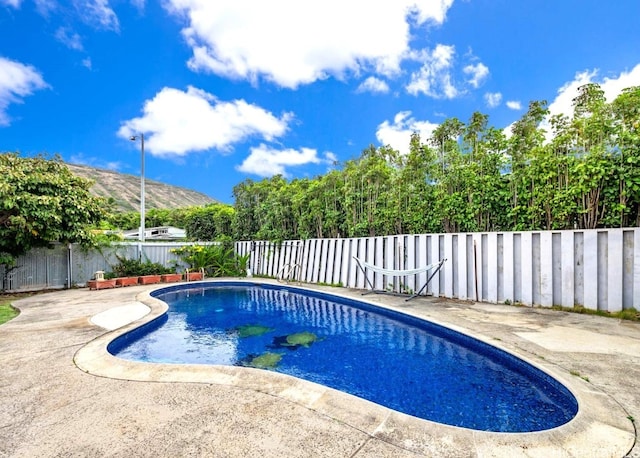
[(364, 266)]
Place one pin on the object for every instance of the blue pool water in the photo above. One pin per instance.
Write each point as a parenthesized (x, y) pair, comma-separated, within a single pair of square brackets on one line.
[(407, 364)]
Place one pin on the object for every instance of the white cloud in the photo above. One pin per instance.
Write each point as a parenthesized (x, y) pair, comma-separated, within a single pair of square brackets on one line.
[(176, 123), (374, 85), (265, 161), (138, 4), (441, 75), (563, 103), (69, 38), (508, 131), (435, 11), (478, 73), (87, 63), (44, 7), (434, 78), (493, 99), (291, 43), (12, 3), (98, 14), (398, 134), (612, 87), (100, 163), (514, 104), (330, 158), (17, 80)]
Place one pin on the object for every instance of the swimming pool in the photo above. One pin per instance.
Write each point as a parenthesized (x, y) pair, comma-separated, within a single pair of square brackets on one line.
[(395, 360)]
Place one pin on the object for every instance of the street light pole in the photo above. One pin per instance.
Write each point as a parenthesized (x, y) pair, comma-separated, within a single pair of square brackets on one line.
[(134, 138)]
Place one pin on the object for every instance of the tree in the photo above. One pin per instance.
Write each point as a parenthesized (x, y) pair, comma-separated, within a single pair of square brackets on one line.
[(42, 202), (367, 188), (275, 209), (415, 191), (445, 139), (245, 223), (211, 222), (593, 127), (554, 172), (626, 110), (124, 221), (525, 145)]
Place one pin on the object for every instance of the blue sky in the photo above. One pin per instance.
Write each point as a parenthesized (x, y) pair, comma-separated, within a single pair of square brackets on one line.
[(232, 89)]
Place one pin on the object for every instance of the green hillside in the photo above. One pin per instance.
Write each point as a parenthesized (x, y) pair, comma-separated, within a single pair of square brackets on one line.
[(125, 190)]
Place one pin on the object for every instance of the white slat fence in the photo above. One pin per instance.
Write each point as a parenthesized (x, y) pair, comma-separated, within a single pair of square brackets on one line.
[(598, 269)]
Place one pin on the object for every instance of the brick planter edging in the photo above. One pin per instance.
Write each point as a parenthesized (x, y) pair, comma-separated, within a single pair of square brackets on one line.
[(101, 284), (149, 279), (126, 281), (170, 278)]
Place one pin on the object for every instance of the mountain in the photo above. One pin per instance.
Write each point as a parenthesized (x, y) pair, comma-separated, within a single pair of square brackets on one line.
[(125, 190)]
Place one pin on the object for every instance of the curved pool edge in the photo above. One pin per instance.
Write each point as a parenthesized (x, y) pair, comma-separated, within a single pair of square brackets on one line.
[(600, 428)]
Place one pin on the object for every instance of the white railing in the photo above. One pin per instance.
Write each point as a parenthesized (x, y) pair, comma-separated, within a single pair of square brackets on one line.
[(597, 269)]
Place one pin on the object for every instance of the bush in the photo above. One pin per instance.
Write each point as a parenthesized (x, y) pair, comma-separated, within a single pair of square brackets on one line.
[(216, 260), (137, 268)]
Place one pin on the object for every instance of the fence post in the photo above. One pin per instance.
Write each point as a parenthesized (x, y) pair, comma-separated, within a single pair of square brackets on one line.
[(69, 265)]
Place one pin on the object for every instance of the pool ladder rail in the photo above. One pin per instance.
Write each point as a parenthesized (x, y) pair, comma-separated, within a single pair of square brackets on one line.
[(288, 272), (189, 272)]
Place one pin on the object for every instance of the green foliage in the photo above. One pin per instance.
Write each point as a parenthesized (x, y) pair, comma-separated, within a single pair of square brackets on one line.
[(470, 191), (630, 314), (42, 202), (7, 312), (217, 260), (224, 263), (208, 223), (242, 263), (336, 285), (264, 210), (135, 268), (123, 221), (577, 374), (196, 256)]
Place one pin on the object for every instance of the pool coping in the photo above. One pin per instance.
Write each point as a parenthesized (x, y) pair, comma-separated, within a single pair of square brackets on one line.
[(600, 428)]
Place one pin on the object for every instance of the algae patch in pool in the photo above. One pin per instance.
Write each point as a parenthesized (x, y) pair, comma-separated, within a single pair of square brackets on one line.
[(250, 330), (264, 361), (294, 341)]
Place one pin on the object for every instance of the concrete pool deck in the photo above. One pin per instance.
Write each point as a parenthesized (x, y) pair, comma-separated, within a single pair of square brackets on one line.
[(64, 395)]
